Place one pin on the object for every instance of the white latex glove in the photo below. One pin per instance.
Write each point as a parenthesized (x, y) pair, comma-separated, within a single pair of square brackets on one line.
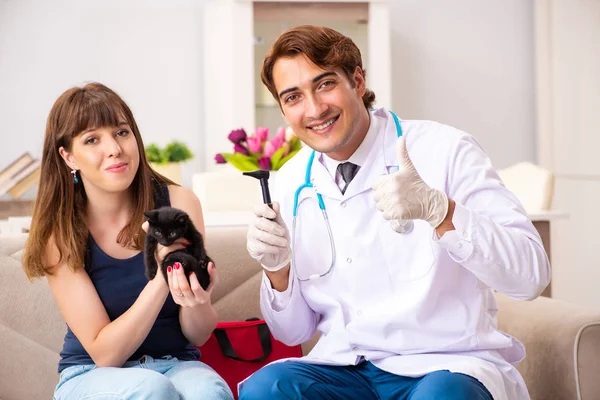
[(403, 195), (269, 241)]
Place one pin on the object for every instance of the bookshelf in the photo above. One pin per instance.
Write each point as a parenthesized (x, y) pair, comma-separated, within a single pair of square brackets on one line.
[(15, 208), (20, 176)]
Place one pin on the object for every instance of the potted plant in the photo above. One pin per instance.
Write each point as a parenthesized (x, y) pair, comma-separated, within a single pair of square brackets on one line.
[(167, 160)]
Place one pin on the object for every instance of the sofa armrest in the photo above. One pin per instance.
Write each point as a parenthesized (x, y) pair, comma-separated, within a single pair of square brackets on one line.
[(562, 341)]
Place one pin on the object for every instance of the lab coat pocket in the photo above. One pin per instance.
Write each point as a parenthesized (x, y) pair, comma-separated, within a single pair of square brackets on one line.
[(409, 256)]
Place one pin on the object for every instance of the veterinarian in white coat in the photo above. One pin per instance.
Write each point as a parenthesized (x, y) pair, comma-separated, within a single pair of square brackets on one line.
[(405, 304)]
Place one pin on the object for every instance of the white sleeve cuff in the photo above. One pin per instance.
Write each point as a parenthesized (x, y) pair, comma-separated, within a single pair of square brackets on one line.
[(279, 301), (458, 242)]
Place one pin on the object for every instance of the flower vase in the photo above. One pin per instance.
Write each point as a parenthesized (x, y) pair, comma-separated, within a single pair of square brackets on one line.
[(170, 170)]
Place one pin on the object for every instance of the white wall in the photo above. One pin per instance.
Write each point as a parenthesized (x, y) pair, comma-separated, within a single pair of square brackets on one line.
[(150, 55), (470, 64), (463, 62), (568, 43)]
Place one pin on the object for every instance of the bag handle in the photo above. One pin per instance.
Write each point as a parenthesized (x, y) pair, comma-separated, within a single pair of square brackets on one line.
[(263, 334)]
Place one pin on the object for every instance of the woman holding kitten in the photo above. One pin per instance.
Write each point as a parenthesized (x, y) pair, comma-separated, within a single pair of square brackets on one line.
[(127, 337)]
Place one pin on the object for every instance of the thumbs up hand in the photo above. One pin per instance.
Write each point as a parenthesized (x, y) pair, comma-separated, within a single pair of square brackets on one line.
[(403, 195)]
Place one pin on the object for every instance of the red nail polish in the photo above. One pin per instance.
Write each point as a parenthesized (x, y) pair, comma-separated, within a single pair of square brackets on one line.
[(190, 274), (177, 265), (169, 269)]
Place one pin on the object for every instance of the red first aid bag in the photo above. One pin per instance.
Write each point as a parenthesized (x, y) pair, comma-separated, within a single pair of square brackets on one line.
[(238, 349)]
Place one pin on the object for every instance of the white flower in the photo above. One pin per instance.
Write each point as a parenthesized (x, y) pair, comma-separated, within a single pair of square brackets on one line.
[(289, 134)]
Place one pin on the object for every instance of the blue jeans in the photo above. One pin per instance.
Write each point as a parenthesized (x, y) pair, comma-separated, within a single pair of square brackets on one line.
[(148, 378), (295, 380)]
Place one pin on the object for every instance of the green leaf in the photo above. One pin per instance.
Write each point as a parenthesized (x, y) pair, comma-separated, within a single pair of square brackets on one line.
[(277, 155), (295, 144), (240, 161), (178, 152), (173, 152), (155, 155), (284, 160)]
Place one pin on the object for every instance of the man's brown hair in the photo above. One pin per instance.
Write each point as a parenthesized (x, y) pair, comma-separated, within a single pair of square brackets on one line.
[(324, 47)]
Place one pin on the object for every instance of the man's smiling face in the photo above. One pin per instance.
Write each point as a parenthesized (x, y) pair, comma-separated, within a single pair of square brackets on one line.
[(323, 106)]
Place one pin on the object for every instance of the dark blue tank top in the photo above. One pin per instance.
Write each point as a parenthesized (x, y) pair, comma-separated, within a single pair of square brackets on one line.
[(119, 283)]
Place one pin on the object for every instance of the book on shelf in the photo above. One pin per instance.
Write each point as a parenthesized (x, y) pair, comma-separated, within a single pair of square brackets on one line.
[(20, 176), (15, 166)]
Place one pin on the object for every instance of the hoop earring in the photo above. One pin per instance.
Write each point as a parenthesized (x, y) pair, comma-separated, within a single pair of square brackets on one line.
[(75, 178)]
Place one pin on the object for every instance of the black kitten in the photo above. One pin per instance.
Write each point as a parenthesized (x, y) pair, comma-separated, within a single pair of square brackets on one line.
[(168, 224)]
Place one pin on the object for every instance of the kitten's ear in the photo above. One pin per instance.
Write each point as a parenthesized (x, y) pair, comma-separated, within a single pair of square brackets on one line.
[(151, 214), (183, 219)]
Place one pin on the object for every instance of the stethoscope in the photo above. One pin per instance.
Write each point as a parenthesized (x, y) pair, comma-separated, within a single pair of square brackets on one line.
[(400, 226)]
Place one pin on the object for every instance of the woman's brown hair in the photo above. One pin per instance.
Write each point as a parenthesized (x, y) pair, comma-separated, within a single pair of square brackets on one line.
[(324, 47), (59, 212)]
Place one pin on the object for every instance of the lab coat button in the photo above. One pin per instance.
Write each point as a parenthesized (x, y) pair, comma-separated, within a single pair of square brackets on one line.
[(359, 313), (348, 260), (355, 348), (343, 205), (459, 245)]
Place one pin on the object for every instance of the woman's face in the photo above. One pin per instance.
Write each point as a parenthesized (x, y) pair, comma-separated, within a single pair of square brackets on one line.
[(106, 158)]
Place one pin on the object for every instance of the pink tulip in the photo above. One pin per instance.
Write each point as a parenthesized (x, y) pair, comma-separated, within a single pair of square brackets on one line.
[(239, 148), (237, 135), (269, 149), (261, 133), (280, 133), (272, 146), (254, 144), (220, 159), (278, 142), (264, 163)]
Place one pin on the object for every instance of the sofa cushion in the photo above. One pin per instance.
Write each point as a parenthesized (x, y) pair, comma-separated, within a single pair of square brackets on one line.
[(555, 334), (27, 368), (562, 340), (236, 296), (29, 308), (31, 329)]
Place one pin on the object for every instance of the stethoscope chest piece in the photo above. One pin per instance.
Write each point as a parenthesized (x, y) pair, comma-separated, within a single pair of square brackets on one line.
[(402, 226)]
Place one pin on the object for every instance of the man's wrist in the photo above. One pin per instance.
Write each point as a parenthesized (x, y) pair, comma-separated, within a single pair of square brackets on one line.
[(279, 279), (446, 224)]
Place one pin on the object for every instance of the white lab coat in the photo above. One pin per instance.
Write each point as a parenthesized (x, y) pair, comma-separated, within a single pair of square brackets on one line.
[(409, 303)]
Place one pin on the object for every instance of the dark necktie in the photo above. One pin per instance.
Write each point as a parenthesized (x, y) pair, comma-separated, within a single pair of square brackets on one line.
[(348, 171)]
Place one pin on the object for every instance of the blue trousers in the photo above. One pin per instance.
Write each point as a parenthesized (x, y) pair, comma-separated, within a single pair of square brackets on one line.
[(148, 378), (295, 380)]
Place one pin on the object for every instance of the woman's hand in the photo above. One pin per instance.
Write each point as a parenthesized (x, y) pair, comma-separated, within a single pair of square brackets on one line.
[(190, 294)]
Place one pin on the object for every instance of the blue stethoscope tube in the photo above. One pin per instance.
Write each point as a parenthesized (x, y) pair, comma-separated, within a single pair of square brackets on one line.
[(399, 226)]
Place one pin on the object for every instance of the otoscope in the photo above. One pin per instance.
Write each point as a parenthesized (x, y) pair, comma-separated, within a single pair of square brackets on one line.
[(263, 177)]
